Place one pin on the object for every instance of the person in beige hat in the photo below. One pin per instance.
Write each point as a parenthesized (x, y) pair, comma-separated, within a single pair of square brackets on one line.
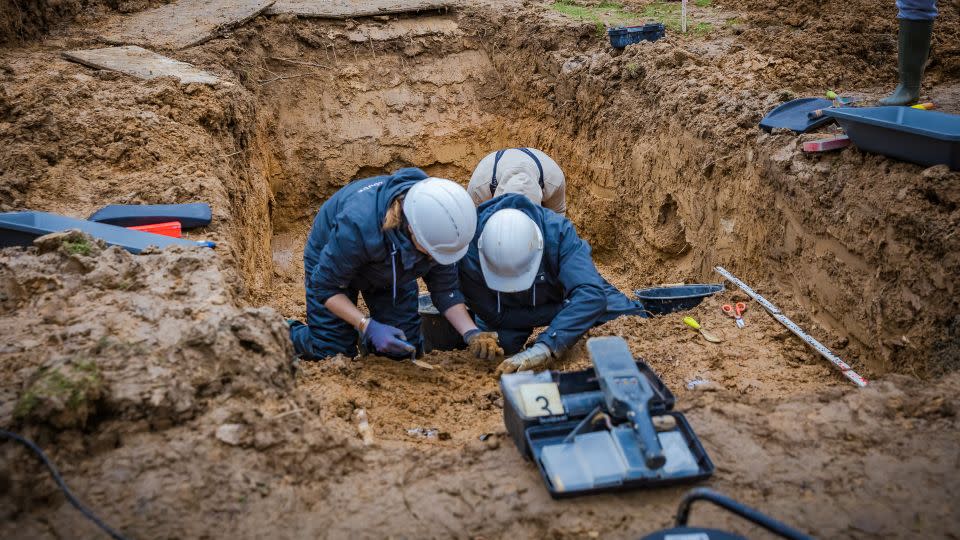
[(526, 171)]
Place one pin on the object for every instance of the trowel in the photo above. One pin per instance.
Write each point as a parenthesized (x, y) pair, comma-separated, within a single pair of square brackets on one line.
[(418, 363), (692, 323)]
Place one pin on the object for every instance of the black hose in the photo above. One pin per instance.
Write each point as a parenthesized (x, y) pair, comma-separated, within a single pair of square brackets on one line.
[(63, 486), (740, 509)]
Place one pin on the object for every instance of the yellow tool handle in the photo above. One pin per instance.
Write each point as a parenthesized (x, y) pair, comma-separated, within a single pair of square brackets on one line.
[(691, 322)]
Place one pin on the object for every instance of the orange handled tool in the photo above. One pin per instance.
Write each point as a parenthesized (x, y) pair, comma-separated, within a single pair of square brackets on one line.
[(735, 311), (169, 228)]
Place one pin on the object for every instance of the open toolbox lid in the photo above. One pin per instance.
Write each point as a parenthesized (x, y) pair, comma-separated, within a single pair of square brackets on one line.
[(579, 394)]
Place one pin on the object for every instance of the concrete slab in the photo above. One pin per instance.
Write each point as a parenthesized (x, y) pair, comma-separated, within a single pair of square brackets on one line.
[(141, 63), (345, 9), (184, 23)]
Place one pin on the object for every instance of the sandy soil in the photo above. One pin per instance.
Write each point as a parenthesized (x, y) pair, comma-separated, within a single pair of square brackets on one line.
[(163, 385)]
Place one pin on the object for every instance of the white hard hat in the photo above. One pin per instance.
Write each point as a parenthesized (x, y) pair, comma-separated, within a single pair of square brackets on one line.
[(442, 218), (520, 181), (511, 246)]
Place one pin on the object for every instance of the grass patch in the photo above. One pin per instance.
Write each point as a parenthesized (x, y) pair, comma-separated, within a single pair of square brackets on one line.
[(78, 247), (71, 387), (669, 14), (603, 14), (666, 12), (608, 14), (703, 28)]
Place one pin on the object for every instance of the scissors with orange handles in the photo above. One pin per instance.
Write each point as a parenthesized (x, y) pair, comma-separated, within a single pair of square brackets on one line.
[(735, 311)]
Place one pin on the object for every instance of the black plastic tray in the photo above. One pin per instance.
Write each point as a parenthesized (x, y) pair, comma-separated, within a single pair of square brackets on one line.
[(190, 215), (581, 387), (924, 137), (538, 437)]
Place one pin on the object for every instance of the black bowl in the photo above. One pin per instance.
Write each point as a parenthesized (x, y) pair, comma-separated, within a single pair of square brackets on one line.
[(664, 300)]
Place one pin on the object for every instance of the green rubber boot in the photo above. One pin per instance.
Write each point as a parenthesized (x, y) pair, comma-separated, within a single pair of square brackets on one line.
[(914, 46)]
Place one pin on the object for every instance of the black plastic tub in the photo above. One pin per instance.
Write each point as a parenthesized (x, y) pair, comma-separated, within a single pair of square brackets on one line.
[(621, 36), (923, 137), (664, 300), (438, 333)]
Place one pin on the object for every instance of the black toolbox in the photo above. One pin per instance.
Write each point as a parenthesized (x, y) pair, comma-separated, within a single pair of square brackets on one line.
[(580, 394)]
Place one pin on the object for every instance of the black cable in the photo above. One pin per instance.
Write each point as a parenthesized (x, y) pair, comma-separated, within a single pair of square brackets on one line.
[(63, 486), (704, 494)]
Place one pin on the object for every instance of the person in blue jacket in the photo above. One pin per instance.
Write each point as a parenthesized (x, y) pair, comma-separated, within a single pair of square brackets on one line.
[(527, 268), (375, 237)]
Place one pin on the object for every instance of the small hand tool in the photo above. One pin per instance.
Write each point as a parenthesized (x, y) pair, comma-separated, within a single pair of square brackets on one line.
[(692, 323), (418, 363), (735, 311)]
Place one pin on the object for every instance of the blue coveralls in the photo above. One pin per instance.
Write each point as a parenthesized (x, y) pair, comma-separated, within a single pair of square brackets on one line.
[(917, 10), (568, 295), (348, 252)]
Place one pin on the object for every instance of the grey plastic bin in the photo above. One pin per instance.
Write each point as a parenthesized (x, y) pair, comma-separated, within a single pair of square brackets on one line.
[(914, 135), (21, 228)]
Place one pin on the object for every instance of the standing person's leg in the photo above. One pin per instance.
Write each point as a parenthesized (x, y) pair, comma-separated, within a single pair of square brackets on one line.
[(913, 47), (917, 10), (404, 314), (325, 334)]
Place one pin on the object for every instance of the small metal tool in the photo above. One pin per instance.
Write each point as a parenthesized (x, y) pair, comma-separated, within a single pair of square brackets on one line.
[(735, 311)]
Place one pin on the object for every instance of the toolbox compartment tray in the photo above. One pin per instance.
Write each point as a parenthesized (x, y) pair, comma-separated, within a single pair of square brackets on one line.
[(540, 437)]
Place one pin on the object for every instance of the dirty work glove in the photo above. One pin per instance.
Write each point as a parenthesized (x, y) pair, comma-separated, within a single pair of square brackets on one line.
[(387, 339), (534, 357), (483, 345)]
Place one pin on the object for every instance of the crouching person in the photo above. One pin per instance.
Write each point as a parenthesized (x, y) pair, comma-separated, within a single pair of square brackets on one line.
[(374, 238), (527, 268), (526, 171)]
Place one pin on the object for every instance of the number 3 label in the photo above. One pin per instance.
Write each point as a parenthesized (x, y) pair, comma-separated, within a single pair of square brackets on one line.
[(541, 399)]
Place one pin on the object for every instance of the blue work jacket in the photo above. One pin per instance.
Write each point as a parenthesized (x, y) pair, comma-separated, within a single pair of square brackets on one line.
[(348, 250), (568, 294)]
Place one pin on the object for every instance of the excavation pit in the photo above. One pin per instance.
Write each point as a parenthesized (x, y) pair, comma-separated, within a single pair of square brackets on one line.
[(668, 176)]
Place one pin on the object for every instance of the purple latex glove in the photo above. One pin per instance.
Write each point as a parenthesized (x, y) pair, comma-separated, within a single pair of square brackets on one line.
[(387, 339)]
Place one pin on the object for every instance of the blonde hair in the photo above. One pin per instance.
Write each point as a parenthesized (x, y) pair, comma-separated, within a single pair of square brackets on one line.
[(394, 215)]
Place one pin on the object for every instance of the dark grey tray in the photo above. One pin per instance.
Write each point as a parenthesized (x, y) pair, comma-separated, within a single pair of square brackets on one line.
[(914, 135), (21, 228)]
